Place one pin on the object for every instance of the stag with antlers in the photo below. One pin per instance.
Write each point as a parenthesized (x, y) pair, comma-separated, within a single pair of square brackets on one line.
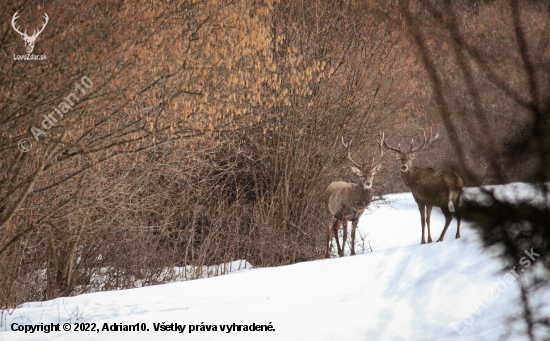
[(347, 201), (429, 187), (29, 41)]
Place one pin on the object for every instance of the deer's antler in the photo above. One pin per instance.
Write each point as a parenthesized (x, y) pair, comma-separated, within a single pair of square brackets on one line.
[(425, 143), (15, 17), (383, 142), (24, 34), (349, 155), (43, 26)]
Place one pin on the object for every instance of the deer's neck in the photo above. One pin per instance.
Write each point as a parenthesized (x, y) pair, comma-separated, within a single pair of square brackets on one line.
[(366, 195), (361, 195), (408, 177)]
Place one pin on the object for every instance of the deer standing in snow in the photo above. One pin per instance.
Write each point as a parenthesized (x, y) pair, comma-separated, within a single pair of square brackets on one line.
[(429, 187), (347, 201)]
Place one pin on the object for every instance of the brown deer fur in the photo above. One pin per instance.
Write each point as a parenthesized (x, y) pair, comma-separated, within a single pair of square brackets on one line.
[(430, 188)]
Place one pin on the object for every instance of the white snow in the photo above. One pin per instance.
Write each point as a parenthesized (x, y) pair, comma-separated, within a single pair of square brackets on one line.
[(402, 291)]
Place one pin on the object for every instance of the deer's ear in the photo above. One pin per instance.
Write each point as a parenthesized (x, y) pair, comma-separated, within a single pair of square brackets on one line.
[(414, 155), (376, 168), (357, 171), (396, 156)]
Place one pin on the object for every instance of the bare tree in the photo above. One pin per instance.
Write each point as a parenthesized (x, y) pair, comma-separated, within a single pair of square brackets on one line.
[(501, 84)]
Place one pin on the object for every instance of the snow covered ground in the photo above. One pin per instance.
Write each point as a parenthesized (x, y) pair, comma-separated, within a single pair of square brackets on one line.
[(401, 291)]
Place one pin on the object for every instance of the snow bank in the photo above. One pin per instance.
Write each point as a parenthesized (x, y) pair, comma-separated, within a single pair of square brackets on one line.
[(402, 291)]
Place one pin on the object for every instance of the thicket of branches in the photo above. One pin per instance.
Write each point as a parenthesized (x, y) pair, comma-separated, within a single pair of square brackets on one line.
[(209, 135)]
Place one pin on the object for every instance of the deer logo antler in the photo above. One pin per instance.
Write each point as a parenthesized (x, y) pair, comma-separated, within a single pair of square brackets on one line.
[(29, 41)]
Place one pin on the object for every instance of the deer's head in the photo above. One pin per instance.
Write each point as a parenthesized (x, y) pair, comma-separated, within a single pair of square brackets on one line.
[(406, 157), (365, 172), (29, 41)]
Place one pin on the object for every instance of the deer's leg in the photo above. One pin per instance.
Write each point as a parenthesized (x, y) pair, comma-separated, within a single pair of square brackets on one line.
[(353, 229), (345, 237), (448, 218), (422, 207), (335, 229), (327, 253), (456, 203), (428, 214)]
